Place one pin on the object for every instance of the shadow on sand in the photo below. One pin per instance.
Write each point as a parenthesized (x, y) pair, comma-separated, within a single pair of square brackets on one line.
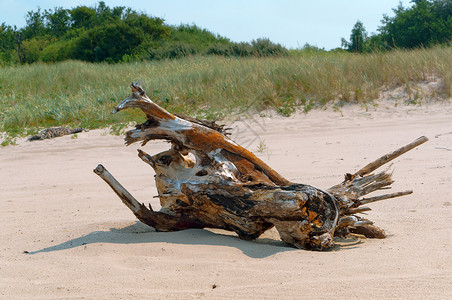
[(140, 233)]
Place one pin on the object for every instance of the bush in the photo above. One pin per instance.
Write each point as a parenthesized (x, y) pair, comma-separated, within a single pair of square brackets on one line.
[(262, 48), (32, 49), (58, 51), (265, 47), (219, 49), (107, 42), (198, 38), (8, 44), (8, 57), (426, 23), (178, 50), (170, 51), (119, 34), (242, 49)]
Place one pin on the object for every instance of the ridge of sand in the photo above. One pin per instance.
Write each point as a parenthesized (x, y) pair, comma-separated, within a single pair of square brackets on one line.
[(84, 243)]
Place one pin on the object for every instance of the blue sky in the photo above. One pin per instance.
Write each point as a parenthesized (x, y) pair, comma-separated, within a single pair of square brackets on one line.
[(288, 22)]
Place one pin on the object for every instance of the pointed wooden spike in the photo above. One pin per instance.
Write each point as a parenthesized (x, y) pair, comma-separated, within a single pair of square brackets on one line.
[(390, 156), (382, 197)]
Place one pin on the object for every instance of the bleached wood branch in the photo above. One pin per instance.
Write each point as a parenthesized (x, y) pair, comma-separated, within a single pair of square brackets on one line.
[(208, 180)]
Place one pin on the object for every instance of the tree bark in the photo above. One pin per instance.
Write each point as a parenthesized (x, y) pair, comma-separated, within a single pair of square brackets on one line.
[(208, 180)]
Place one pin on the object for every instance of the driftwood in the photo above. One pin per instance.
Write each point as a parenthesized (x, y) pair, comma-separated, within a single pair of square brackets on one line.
[(54, 132), (208, 180)]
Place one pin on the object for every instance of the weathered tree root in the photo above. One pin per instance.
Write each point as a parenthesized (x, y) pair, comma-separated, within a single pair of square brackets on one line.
[(208, 180)]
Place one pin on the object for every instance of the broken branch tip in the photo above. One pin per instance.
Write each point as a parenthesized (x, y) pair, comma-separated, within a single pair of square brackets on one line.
[(99, 169)]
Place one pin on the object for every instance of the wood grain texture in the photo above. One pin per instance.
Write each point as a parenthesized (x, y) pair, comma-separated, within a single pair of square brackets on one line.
[(207, 180)]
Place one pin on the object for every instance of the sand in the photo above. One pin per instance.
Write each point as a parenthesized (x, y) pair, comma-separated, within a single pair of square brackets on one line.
[(82, 242)]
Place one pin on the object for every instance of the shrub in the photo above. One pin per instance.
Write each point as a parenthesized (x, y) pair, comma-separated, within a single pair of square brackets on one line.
[(265, 47), (179, 50), (58, 51), (242, 49), (426, 23), (32, 49), (163, 50), (219, 49), (107, 42)]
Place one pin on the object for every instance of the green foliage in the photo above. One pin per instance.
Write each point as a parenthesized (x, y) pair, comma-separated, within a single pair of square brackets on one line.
[(259, 48), (163, 50), (8, 140), (107, 43), (426, 23), (242, 49), (219, 49), (265, 47), (8, 53), (176, 50), (308, 49), (101, 33), (32, 49), (57, 21), (59, 50), (312, 49), (80, 94), (232, 49), (118, 34), (7, 38), (152, 29), (105, 14), (357, 38), (82, 17), (118, 128), (198, 38), (35, 25)]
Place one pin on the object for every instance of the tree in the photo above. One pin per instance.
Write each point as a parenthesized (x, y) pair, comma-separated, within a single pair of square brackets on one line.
[(82, 17), (110, 42), (152, 28), (32, 49), (308, 48), (102, 33), (358, 37), (426, 23), (8, 43), (7, 37), (57, 21), (35, 24), (105, 14)]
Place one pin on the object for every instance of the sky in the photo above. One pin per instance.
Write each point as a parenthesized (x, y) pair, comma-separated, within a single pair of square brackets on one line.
[(291, 23)]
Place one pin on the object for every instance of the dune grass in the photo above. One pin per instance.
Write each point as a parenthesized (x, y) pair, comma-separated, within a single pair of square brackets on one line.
[(76, 93)]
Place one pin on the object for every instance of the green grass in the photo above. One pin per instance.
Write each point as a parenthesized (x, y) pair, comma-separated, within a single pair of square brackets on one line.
[(82, 94)]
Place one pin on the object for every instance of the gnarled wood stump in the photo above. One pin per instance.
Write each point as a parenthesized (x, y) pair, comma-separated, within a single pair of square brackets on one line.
[(208, 180)]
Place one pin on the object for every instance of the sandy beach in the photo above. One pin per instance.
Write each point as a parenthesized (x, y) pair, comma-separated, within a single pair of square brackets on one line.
[(66, 235)]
